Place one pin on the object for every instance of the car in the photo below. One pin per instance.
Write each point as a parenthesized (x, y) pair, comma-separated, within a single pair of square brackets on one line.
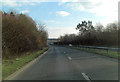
[(70, 44)]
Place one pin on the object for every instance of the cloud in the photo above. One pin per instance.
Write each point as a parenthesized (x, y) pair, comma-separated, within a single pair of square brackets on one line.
[(62, 13), (25, 11), (9, 3), (62, 2), (55, 32), (102, 8), (14, 3)]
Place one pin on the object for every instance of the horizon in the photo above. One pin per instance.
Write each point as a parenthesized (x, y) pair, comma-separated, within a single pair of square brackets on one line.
[(61, 17)]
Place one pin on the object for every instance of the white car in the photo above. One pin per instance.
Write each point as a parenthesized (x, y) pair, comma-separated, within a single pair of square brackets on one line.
[(70, 44)]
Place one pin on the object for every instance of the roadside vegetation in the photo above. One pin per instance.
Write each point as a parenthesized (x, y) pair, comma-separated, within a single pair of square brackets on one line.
[(9, 66), (22, 41), (90, 35), (21, 34), (112, 54)]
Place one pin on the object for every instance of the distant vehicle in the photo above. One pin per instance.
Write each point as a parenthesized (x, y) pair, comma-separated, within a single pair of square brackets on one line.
[(70, 44)]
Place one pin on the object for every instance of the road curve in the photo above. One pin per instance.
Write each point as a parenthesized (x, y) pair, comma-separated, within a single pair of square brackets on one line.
[(61, 63)]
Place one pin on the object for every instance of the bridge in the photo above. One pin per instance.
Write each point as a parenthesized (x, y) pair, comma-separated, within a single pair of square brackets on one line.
[(52, 40)]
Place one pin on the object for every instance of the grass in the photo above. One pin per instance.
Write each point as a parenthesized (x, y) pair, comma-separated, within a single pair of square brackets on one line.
[(9, 66), (112, 54)]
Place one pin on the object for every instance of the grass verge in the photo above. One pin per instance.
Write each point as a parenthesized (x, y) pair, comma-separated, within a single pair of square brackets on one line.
[(112, 54), (9, 66)]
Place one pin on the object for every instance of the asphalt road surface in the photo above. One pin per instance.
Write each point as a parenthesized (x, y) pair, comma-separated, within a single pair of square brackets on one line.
[(61, 63)]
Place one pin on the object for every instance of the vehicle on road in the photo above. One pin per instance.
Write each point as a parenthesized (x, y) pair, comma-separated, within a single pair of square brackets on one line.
[(70, 44)]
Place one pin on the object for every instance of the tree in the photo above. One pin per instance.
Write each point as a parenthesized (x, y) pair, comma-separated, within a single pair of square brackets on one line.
[(99, 27), (85, 27), (20, 34), (42, 34)]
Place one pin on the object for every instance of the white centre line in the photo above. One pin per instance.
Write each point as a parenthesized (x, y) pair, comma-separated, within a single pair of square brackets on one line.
[(69, 58), (86, 77)]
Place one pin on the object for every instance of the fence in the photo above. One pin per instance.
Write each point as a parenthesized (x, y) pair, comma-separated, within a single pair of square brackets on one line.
[(99, 48)]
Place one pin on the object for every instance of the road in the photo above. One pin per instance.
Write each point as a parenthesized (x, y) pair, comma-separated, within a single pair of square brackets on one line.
[(61, 63)]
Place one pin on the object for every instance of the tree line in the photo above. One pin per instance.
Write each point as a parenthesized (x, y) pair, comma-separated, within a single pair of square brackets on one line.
[(97, 35), (20, 34)]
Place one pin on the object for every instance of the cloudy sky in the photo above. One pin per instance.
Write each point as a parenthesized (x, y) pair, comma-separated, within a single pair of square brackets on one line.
[(62, 16)]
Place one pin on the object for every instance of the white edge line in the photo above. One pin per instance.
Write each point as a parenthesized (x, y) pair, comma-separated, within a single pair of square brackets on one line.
[(85, 76), (25, 67)]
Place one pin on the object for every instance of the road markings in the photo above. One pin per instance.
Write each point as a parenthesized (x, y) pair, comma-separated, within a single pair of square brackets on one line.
[(69, 58), (12, 76), (85, 57), (86, 77)]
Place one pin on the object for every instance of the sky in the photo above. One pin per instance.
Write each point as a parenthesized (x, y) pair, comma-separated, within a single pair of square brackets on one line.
[(62, 16)]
